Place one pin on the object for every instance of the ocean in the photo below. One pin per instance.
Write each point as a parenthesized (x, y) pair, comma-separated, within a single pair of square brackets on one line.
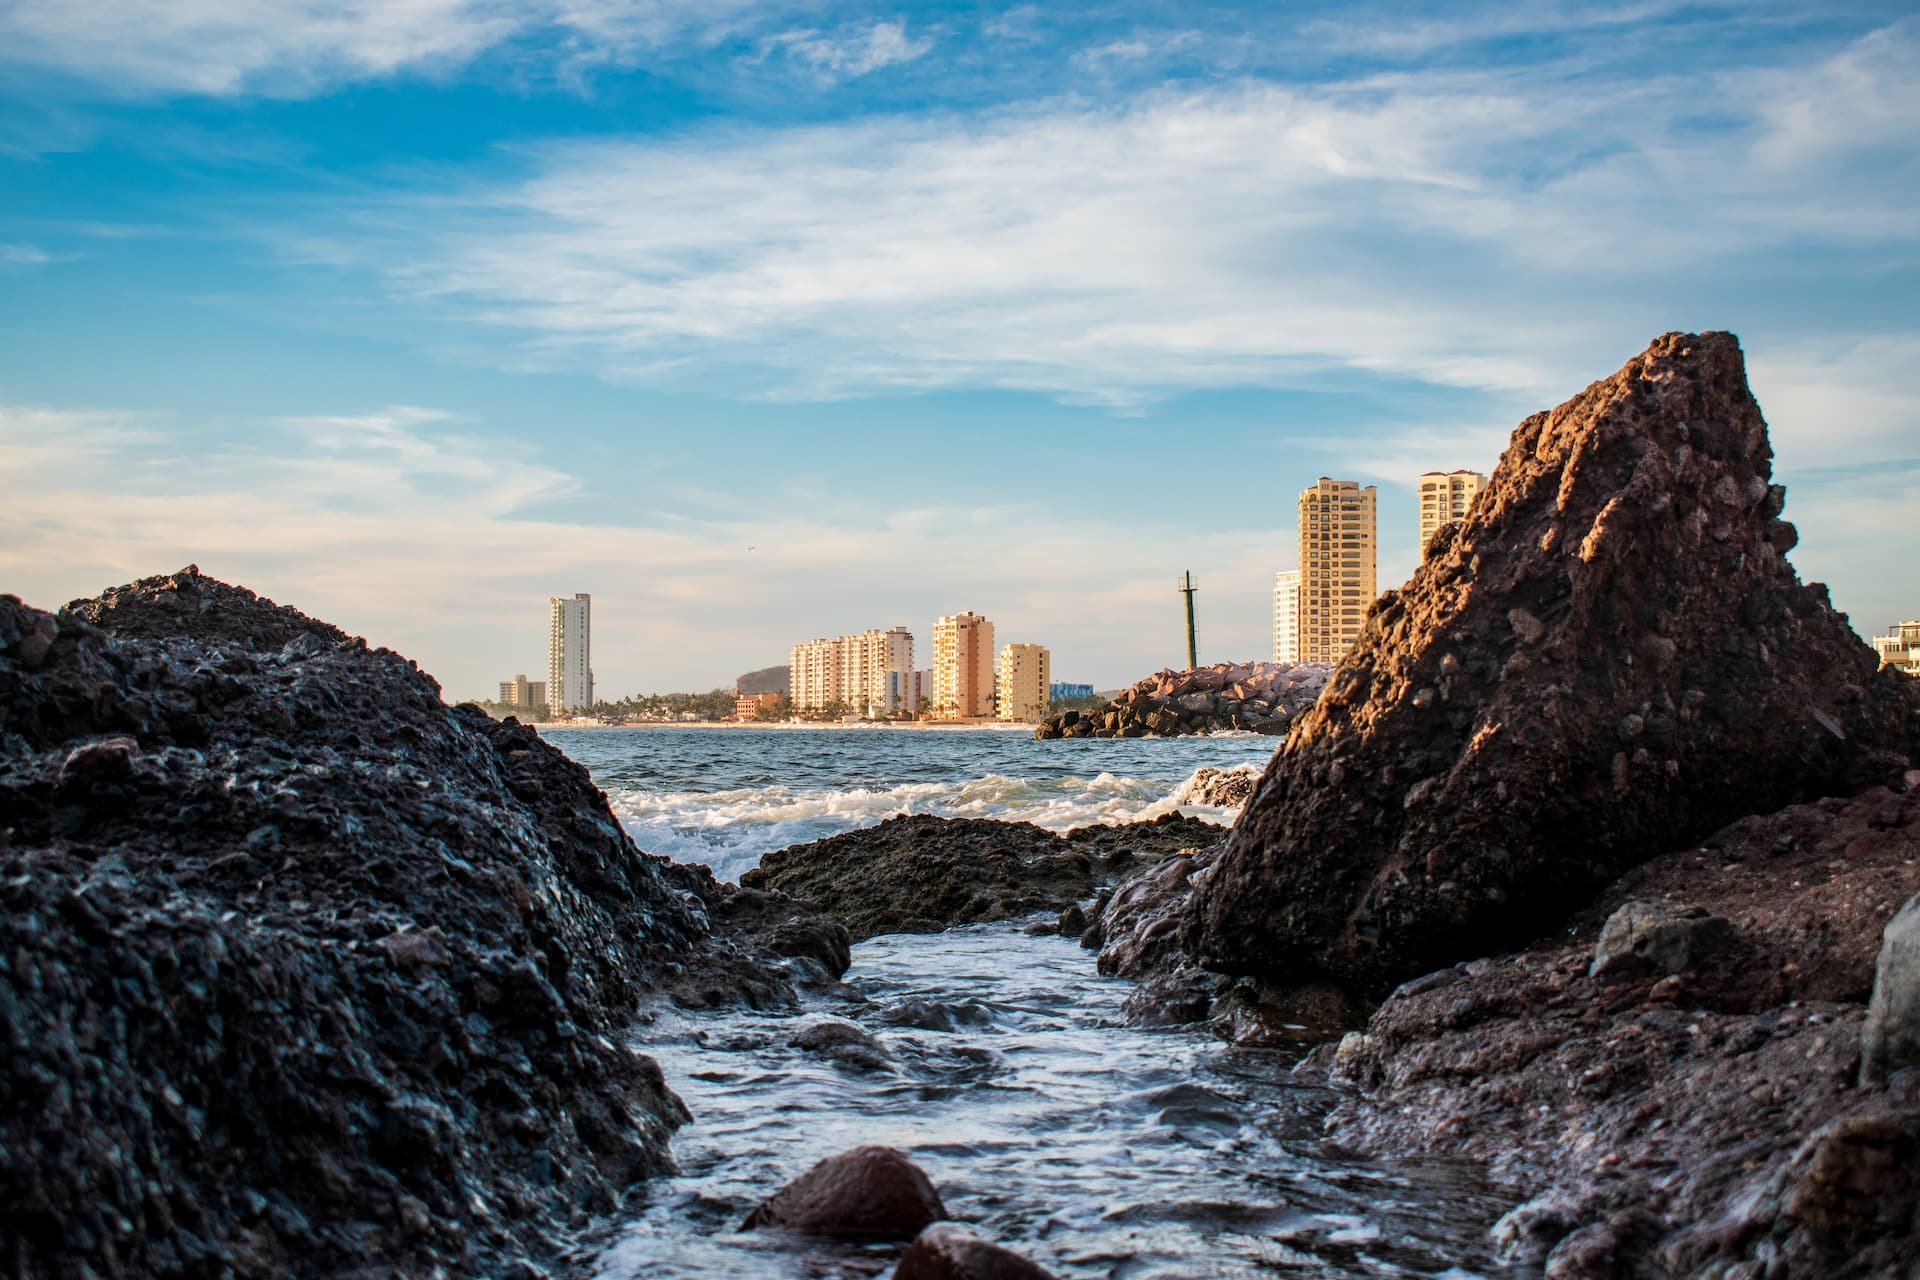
[(726, 797)]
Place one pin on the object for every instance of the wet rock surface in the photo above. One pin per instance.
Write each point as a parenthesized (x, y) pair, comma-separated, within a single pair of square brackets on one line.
[(1260, 697), (1668, 1123), (1611, 657), (303, 971), (948, 1251), (868, 1193), (922, 874)]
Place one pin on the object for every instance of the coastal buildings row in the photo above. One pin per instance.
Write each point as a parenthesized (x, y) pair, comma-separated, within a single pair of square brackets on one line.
[(1900, 648), (1319, 607), (871, 674)]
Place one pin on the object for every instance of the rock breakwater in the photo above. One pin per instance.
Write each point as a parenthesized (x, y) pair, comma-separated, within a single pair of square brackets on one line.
[(1260, 697), (304, 972)]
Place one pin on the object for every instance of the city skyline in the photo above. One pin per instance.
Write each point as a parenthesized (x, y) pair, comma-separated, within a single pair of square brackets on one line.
[(684, 305)]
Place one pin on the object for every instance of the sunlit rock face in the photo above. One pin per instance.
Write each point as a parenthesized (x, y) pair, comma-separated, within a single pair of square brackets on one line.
[(1611, 656)]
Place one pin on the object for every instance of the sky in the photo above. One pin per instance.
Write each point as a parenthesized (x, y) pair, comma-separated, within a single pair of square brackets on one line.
[(763, 321)]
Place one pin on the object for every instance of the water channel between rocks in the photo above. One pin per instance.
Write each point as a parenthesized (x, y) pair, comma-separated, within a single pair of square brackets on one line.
[(1097, 1149)]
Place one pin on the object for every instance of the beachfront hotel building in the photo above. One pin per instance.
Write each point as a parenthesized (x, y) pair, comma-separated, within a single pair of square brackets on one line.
[(1022, 677), (1339, 565), (1286, 616), (963, 667), (570, 652), (1445, 498), (869, 673), (1900, 648), (523, 694)]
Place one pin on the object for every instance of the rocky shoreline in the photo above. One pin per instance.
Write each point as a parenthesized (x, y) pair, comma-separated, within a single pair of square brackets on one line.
[(1597, 863), (291, 989), (1256, 697)]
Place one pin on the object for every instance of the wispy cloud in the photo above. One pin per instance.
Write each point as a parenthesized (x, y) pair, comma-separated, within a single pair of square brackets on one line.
[(292, 48), (1429, 227), (19, 257), (849, 54)]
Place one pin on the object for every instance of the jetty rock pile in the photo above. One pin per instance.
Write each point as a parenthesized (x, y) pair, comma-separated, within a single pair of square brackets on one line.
[(304, 972), (1610, 658), (1262, 697)]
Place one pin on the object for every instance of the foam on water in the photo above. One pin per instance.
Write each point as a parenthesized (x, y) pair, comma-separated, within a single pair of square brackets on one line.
[(731, 830), (728, 797)]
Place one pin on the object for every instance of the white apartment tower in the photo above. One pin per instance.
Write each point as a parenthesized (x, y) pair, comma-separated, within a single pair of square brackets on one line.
[(870, 673), (1286, 616), (1445, 498), (1023, 674), (1339, 567), (963, 667), (570, 652), (813, 675)]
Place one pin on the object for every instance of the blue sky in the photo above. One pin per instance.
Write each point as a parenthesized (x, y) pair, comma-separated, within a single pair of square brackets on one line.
[(415, 312)]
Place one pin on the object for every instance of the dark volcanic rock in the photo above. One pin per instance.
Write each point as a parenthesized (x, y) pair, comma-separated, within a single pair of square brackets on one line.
[(301, 970), (921, 874), (1672, 1124), (949, 1251), (868, 1193), (1611, 657)]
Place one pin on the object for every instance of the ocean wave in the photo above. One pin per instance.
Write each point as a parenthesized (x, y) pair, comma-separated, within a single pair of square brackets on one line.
[(731, 830)]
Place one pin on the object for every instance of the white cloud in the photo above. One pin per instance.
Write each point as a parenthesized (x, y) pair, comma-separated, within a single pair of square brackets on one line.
[(291, 48), (225, 46), (19, 257), (849, 54), (1432, 227)]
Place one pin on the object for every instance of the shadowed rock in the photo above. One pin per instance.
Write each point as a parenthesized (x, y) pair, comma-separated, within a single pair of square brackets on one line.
[(303, 972), (1611, 657), (868, 1193), (948, 1251), (922, 874)]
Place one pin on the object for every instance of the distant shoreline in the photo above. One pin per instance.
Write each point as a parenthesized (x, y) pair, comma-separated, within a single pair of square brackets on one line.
[(865, 726)]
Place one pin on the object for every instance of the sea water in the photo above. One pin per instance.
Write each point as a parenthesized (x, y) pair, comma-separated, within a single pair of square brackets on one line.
[(1095, 1148)]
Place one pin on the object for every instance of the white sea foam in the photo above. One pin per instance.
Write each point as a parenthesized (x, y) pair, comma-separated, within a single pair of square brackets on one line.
[(731, 830)]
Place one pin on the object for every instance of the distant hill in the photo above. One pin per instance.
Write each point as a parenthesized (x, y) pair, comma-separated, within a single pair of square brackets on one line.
[(765, 680)]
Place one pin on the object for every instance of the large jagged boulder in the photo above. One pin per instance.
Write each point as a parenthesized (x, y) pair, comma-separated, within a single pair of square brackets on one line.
[(1609, 658), (303, 972)]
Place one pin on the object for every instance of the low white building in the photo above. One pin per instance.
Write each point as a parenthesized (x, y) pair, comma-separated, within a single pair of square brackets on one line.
[(1900, 648)]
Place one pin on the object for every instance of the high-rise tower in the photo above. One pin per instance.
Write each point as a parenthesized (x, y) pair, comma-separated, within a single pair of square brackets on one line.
[(570, 652), (963, 667), (1286, 616), (1445, 498), (1339, 565)]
